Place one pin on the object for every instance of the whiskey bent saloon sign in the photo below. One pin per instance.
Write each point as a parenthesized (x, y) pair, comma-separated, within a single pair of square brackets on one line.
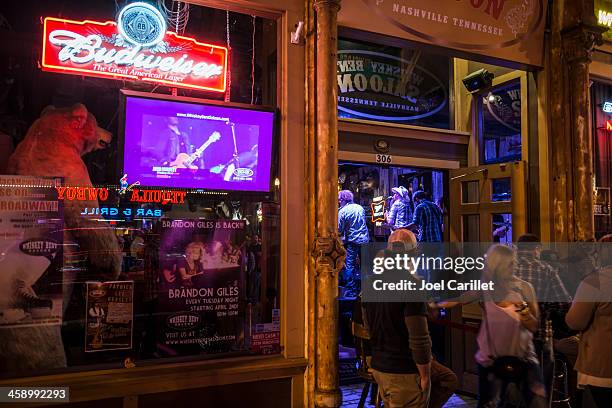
[(136, 47)]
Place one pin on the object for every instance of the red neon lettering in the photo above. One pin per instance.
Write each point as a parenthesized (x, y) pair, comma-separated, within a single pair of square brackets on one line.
[(60, 192), (103, 194), (135, 198), (92, 193), (70, 194), (85, 48)]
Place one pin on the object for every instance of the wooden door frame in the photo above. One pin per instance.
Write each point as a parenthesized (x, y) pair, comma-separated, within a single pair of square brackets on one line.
[(485, 208)]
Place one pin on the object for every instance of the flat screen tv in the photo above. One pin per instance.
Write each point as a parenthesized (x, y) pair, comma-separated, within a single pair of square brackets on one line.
[(187, 144)]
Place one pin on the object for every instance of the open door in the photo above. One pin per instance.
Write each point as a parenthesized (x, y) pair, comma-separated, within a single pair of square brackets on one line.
[(487, 204)]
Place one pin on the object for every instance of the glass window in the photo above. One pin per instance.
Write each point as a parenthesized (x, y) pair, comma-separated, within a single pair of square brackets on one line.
[(502, 228), (501, 124), (470, 193), (601, 102), (471, 228), (116, 273), (391, 84), (501, 189)]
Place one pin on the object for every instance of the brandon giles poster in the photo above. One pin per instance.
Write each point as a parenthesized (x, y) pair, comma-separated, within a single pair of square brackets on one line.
[(201, 275)]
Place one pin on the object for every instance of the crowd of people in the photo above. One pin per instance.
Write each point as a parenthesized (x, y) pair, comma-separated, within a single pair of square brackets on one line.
[(538, 316), (414, 212)]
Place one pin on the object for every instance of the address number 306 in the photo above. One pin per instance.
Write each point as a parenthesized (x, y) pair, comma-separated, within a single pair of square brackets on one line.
[(383, 158)]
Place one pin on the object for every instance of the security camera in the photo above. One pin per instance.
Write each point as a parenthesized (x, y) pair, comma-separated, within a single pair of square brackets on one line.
[(479, 80)]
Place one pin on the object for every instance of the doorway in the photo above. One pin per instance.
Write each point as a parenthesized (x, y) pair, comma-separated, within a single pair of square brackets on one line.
[(371, 186)]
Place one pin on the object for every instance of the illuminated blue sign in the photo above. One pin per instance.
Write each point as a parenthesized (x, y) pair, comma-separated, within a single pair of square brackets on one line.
[(110, 212), (607, 107)]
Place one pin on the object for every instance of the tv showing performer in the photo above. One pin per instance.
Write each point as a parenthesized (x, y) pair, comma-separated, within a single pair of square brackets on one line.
[(174, 148)]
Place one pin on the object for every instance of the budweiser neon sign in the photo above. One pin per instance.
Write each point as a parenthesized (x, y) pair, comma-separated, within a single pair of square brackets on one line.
[(136, 47)]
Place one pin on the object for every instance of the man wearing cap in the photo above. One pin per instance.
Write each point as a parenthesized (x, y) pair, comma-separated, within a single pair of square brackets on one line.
[(353, 230), (427, 217), (400, 214)]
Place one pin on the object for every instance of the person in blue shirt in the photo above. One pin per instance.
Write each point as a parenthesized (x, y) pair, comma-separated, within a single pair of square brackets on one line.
[(353, 231), (427, 217), (400, 214)]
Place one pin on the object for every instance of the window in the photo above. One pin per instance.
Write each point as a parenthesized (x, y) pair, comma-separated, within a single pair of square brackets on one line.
[(115, 273), (501, 124), (502, 189), (470, 193), (391, 84), (502, 228)]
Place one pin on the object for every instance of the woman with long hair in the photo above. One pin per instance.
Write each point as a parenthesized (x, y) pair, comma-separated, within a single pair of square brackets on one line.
[(505, 340), (191, 265)]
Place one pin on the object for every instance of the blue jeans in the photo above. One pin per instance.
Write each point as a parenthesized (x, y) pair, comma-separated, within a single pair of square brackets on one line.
[(350, 276)]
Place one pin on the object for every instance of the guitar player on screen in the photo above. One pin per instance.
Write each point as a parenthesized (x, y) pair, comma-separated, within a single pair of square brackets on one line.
[(176, 150)]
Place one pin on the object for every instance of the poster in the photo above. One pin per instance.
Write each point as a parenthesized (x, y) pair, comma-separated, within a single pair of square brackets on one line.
[(601, 205), (109, 315), (201, 275), (31, 256), (266, 336)]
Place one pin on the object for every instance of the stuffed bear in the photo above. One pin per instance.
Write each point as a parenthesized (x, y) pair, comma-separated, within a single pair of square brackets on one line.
[(53, 146)]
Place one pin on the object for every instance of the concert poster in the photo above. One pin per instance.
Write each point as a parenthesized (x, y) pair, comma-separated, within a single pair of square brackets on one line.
[(201, 264), (31, 255), (109, 316)]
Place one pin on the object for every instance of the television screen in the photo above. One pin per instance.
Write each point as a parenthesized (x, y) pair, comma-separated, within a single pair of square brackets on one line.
[(169, 143)]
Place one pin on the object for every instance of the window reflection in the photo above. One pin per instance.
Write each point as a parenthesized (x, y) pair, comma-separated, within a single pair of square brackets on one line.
[(501, 124)]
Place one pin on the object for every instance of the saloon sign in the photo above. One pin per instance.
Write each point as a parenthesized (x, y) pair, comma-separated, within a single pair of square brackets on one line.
[(382, 87), (508, 29), (136, 47)]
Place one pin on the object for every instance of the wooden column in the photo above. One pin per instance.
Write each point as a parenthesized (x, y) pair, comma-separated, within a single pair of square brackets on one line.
[(573, 36), (328, 252)]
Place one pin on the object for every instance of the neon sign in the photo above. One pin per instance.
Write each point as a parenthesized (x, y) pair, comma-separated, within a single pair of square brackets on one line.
[(136, 47), (128, 212), (82, 193), (378, 209), (604, 18), (608, 125), (158, 196), (138, 195), (607, 107)]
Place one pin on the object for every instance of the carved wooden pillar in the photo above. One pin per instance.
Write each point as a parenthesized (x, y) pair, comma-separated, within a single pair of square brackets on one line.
[(578, 42), (573, 36), (328, 252)]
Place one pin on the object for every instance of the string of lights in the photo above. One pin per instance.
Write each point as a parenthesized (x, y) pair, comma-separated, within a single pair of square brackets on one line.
[(253, 64), (228, 76), (176, 19)]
